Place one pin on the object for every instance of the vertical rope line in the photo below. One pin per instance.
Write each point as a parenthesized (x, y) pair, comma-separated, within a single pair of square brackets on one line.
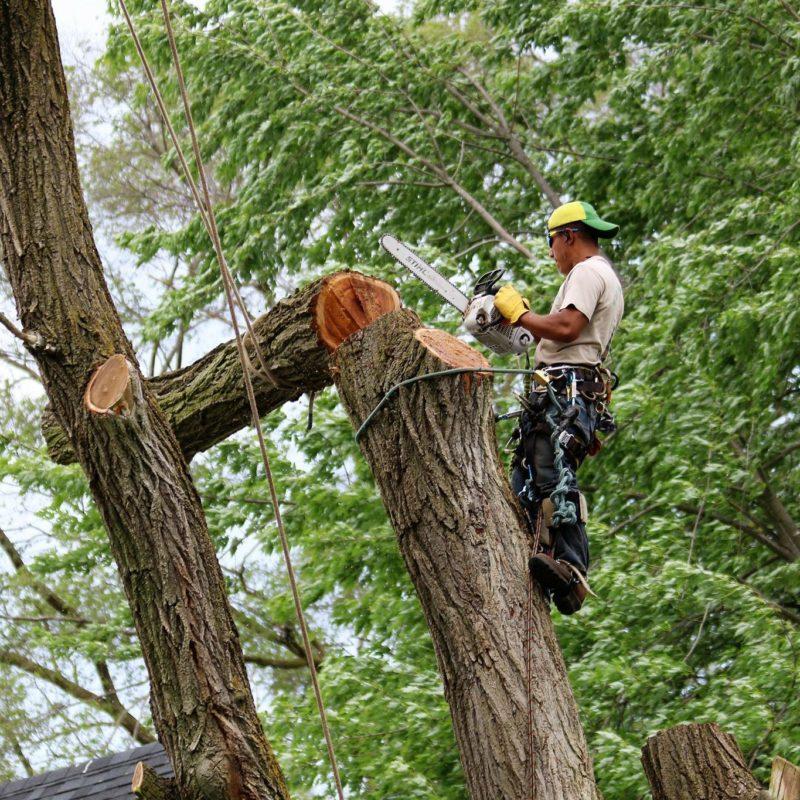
[(214, 232), (231, 294), (528, 652), (202, 208), (230, 290)]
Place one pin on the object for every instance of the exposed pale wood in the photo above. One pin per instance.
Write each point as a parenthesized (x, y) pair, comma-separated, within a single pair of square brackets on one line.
[(434, 456), (784, 783), (147, 784), (109, 388), (698, 762), (348, 302), (451, 351)]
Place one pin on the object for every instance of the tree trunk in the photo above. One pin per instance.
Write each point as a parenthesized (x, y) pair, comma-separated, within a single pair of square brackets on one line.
[(434, 456), (200, 696), (698, 762)]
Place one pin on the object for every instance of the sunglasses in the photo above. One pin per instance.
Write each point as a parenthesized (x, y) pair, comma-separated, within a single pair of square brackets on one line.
[(551, 236)]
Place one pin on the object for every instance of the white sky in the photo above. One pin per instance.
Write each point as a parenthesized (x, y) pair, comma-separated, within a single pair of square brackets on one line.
[(80, 23)]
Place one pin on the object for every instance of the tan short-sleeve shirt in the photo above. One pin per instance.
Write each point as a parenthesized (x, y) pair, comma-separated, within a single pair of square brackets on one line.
[(594, 289)]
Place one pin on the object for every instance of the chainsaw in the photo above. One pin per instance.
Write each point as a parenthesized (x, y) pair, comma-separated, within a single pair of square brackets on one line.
[(481, 319)]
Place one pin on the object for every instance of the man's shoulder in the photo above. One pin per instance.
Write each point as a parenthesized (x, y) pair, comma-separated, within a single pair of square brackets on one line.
[(596, 262), (598, 267)]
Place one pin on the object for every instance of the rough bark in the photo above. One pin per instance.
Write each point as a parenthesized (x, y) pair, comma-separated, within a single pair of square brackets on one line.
[(200, 696), (205, 403), (698, 762), (147, 784), (434, 456)]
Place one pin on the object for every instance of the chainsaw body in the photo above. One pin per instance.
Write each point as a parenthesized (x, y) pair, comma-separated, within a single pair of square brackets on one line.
[(486, 324)]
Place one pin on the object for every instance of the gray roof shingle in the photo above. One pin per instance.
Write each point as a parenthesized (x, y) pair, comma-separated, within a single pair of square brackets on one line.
[(107, 778)]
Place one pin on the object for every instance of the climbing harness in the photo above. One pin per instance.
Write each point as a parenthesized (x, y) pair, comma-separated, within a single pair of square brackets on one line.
[(234, 300), (545, 406)]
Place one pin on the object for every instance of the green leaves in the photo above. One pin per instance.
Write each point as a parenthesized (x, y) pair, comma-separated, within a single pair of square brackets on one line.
[(325, 125)]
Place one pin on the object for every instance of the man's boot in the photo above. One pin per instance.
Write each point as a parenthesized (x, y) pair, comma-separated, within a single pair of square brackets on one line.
[(564, 581)]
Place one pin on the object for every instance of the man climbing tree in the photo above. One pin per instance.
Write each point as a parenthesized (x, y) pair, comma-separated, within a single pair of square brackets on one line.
[(570, 401)]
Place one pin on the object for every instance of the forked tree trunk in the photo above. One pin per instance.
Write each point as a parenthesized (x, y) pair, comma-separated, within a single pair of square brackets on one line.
[(698, 762), (200, 696), (434, 456)]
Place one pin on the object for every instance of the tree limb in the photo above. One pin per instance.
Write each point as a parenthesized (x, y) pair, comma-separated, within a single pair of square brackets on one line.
[(275, 663), (68, 613), (101, 702), (204, 402)]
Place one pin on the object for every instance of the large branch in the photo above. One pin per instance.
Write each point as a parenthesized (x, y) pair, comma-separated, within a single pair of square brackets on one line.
[(112, 703), (108, 705), (434, 456), (205, 402)]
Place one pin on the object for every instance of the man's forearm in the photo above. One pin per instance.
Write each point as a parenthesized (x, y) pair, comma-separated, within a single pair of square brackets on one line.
[(557, 327)]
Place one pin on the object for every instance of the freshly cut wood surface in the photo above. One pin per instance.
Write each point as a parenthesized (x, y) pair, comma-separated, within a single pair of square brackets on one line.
[(109, 387), (448, 349), (348, 302), (784, 782)]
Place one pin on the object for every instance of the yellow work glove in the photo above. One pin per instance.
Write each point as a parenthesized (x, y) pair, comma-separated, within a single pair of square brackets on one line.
[(510, 303)]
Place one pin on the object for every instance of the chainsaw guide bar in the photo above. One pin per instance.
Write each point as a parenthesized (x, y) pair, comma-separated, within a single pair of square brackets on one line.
[(481, 318), (404, 255)]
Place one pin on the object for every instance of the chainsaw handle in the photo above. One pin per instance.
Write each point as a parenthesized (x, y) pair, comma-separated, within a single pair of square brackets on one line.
[(487, 282)]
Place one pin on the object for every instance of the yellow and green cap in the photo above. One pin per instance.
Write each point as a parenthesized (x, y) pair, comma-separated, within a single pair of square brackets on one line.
[(581, 212)]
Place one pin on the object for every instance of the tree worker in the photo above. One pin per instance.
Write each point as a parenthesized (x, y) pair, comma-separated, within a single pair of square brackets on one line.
[(559, 422)]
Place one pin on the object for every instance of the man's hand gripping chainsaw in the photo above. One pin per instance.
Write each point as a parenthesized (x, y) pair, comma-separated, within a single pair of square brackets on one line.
[(481, 318)]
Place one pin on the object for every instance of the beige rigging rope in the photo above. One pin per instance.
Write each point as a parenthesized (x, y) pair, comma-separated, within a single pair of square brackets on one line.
[(206, 215), (234, 298), (529, 636)]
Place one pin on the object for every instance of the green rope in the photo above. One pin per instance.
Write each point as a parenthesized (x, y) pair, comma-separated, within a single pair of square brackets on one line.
[(443, 373), (564, 510)]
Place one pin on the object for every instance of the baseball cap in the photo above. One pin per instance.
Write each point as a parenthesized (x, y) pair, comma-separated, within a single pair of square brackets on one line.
[(577, 211)]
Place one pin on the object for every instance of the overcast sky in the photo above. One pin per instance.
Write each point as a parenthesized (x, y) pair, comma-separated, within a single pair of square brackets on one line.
[(80, 23)]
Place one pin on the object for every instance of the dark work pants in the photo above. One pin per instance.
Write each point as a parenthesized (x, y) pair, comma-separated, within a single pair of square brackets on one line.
[(569, 541)]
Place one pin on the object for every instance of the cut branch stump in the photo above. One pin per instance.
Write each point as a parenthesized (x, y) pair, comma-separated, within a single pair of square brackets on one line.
[(784, 783), (698, 762), (109, 389), (205, 403), (147, 784)]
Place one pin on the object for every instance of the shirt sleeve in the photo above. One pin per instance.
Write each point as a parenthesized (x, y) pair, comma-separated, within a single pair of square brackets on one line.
[(583, 290)]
